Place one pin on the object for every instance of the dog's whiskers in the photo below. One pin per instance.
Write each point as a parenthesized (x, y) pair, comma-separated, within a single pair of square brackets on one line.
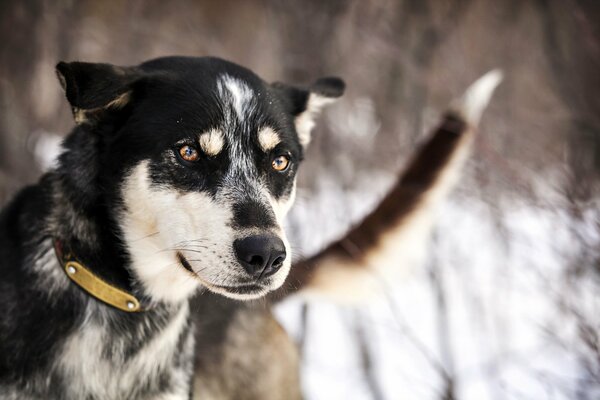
[(190, 241), (145, 237), (180, 249)]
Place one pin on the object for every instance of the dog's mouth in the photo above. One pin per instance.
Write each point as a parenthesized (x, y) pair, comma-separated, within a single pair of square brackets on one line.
[(242, 290), (185, 263)]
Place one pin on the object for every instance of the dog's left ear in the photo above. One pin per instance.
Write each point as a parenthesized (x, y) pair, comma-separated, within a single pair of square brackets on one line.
[(305, 104), (93, 89)]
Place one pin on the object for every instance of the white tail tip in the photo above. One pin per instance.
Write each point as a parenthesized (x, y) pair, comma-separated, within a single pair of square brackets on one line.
[(472, 104)]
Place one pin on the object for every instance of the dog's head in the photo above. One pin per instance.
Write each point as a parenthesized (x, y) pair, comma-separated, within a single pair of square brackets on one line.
[(201, 155)]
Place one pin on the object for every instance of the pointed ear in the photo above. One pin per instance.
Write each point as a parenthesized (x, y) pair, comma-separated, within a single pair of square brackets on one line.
[(92, 89), (306, 104)]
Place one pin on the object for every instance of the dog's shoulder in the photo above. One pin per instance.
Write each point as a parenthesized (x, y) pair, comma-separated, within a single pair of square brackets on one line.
[(21, 224), (31, 322)]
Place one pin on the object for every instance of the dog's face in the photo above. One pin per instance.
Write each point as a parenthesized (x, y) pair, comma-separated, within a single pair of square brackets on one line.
[(202, 156)]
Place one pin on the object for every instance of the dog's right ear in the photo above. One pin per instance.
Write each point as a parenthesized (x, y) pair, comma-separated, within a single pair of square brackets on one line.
[(93, 89), (306, 103)]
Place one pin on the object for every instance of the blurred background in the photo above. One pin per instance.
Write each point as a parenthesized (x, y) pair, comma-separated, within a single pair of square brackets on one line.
[(507, 305)]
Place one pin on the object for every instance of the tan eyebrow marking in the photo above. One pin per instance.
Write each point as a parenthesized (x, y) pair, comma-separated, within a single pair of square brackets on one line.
[(211, 142), (268, 139)]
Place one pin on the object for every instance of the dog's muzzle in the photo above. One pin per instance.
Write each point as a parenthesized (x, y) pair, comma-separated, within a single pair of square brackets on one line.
[(260, 255)]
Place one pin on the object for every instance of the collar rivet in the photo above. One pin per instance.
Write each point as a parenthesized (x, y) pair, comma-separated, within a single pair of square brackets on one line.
[(71, 269), (130, 305)]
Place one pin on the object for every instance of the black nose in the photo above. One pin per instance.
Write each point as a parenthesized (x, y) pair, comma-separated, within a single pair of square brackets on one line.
[(261, 255)]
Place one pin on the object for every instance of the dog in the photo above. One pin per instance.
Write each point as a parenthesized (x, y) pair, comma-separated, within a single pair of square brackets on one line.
[(177, 176), (176, 180)]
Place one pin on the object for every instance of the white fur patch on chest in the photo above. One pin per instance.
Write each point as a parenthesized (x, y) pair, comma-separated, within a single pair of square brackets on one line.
[(93, 360)]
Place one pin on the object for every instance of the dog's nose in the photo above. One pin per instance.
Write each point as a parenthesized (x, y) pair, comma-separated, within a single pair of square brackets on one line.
[(260, 255)]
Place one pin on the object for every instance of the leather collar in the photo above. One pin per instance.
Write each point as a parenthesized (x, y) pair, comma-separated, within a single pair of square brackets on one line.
[(92, 284)]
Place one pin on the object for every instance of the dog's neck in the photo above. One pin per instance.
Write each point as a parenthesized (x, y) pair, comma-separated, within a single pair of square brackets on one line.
[(92, 238)]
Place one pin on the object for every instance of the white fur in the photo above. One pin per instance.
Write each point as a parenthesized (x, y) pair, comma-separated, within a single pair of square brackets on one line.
[(282, 206), (86, 366), (237, 96), (476, 98), (268, 139), (149, 224), (237, 93), (305, 122), (211, 142)]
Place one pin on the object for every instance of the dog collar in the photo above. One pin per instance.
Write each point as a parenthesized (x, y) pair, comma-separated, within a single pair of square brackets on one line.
[(92, 284)]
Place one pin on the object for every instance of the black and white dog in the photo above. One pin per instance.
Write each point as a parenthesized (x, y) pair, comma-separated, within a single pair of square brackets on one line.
[(177, 177)]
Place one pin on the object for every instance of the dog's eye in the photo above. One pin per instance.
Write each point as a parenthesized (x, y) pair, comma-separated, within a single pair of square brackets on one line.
[(280, 163), (188, 153)]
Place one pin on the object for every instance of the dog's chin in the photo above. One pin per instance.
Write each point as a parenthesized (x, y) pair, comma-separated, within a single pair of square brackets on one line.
[(240, 291), (249, 292)]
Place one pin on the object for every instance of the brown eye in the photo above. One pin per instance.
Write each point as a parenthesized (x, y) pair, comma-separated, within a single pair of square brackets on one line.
[(280, 163), (188, 153)]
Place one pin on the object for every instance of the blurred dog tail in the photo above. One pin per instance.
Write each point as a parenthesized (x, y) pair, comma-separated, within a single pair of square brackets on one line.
[(393, 238)]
